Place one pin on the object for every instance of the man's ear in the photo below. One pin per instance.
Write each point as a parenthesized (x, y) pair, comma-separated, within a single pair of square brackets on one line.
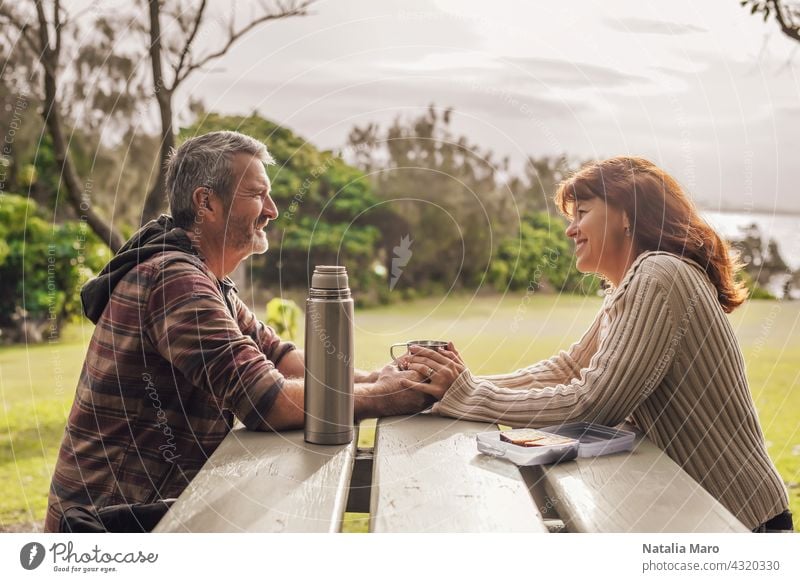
[(205, 202)]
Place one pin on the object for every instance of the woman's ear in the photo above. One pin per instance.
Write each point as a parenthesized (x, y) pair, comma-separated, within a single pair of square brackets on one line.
[(626, 224)]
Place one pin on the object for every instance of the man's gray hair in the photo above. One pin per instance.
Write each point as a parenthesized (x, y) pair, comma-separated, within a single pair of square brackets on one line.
[(205, 162)]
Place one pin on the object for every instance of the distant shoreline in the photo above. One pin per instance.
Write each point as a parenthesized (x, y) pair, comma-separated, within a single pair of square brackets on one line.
[(766, 211)]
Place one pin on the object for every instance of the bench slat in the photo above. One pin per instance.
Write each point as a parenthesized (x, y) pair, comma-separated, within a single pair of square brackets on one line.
[(265, 482), (644, 491), (429, 477)]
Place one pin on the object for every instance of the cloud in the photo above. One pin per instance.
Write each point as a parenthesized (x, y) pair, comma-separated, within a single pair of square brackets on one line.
[(566, 73), (647, 26), (339, 97)]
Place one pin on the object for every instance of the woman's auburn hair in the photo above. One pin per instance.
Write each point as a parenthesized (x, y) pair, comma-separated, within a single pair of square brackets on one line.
[(662, 217)]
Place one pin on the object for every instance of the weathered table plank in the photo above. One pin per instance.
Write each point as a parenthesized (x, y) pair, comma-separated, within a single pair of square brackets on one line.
[(265, 482), (429, 477), (641, 491)]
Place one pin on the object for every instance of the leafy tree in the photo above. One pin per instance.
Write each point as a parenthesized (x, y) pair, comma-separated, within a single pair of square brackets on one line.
[(761, 261), (444, 194), (460, 207), (540, 258), (42, 267), (542, 177)]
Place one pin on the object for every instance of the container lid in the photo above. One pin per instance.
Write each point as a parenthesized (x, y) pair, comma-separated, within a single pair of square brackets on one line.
[(586, 440), (489, 443), (329, 277), (595, 439)]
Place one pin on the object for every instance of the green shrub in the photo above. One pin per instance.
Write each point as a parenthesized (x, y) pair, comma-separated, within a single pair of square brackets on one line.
[(539, 257), (283, 315), (755, 291), (42, 268)]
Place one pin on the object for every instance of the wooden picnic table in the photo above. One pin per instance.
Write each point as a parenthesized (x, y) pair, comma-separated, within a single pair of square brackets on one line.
[(425, 474)]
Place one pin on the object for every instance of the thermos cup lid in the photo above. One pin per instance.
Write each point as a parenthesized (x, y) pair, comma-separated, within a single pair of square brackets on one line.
[(329, 277)]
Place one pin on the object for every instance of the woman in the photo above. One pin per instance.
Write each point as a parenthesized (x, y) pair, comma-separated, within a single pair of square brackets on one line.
[(660, 352)]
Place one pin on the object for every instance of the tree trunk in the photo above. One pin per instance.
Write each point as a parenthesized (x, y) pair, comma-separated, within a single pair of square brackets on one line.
[(79, 200), (154, 202)]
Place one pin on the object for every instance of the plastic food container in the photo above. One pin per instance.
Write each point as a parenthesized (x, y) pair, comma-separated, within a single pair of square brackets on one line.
[(586, 440)]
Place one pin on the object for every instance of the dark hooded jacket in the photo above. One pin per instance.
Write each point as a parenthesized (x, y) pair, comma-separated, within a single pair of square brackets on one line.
[(157, 236)]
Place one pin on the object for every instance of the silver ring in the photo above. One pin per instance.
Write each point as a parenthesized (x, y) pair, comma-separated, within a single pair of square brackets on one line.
[(430, 371)]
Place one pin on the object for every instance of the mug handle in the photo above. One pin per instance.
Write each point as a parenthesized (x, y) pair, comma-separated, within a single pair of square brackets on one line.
[(393, 346)]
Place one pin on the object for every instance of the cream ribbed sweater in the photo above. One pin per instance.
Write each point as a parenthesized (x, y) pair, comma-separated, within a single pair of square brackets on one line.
[(662, 352)]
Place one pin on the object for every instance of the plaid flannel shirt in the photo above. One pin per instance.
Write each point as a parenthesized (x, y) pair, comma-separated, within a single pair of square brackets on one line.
[(174, 357)]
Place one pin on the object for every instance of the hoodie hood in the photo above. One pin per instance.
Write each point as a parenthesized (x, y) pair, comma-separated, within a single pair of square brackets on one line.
[(157, 236)]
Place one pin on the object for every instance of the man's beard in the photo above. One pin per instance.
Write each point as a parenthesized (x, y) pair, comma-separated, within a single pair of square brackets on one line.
[(243, 235)]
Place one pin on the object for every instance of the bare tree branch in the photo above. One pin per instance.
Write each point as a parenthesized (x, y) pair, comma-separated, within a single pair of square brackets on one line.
[(783, 15), (190, 39), (284, 11), (58, 26), (24, 29), (186, 65), (44, 39)]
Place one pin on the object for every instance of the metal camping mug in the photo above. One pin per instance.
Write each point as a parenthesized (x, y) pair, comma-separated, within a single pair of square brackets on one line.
[(430, 344)]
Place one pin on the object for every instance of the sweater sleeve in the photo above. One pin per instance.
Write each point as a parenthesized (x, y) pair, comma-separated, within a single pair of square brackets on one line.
[(631, 360), (559, 369)]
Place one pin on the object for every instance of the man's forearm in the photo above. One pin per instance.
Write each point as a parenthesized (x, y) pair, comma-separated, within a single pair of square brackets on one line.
[(372, 400), (287, 411), (293, 365)]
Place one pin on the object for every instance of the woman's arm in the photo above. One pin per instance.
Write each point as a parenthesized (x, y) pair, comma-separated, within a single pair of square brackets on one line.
[(558, 369), (631, 360)]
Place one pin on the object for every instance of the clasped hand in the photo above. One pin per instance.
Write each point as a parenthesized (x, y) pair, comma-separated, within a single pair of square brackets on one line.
[(441, 367)]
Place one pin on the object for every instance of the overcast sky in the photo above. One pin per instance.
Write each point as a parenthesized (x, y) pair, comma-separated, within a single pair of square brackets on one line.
[(703, 88)]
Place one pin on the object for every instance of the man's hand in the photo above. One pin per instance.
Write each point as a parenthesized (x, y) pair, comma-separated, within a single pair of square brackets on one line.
[(387, 397), (362, 376)]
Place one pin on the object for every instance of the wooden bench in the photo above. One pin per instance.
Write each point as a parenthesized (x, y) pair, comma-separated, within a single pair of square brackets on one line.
[(426, 475), (429, 477), (640, 491), (266, 482)]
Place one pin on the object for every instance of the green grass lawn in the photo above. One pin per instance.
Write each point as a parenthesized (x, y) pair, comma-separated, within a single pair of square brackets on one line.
[(493, 333)]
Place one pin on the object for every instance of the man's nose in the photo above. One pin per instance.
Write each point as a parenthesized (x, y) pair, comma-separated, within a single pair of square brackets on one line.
[(270, 209)]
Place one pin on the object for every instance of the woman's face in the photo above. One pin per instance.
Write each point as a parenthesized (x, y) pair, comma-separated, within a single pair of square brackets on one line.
[(601, 243)]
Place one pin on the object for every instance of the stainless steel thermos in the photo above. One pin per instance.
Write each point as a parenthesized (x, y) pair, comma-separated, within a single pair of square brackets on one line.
[(329, 402)]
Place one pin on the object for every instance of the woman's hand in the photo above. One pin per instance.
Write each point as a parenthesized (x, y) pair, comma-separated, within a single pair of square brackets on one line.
[(441, 367)]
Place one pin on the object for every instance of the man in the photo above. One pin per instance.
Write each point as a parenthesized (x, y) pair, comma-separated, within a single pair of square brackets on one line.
[(175, 354)]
